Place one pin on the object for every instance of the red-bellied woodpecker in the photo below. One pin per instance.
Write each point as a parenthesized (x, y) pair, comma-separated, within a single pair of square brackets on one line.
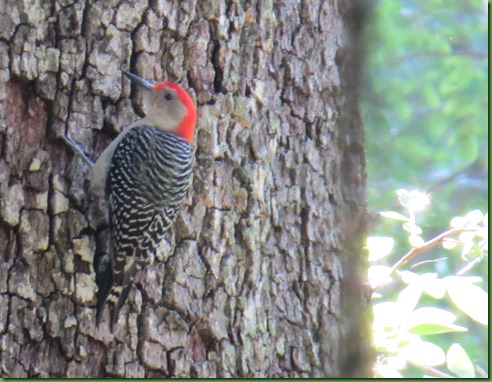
[(139, 183)]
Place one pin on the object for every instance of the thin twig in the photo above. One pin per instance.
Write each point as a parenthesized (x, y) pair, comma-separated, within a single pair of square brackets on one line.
[(468, 266), (432, 371), (427, 262), (424, 247)]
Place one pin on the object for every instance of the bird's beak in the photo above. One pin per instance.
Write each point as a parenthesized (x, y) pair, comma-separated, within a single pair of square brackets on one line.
[(138, 80)]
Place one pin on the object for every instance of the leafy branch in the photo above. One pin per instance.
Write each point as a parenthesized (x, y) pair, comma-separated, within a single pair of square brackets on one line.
[(398, 326), (424, 247)]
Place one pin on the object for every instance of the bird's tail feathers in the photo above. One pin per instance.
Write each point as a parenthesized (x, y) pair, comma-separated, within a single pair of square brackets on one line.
[(116, 300), (104, 281), (103, 267)]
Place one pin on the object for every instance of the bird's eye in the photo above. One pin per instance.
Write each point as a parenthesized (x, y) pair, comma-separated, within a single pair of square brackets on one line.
[(168, 96)]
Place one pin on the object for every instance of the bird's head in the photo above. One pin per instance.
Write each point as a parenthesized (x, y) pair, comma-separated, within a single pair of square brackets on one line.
[(168, 105)]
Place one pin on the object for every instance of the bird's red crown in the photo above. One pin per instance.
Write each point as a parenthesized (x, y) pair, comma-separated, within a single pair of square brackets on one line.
[(187, 127)]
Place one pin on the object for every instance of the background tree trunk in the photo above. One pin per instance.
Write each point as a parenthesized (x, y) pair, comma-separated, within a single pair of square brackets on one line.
[(263, 273)]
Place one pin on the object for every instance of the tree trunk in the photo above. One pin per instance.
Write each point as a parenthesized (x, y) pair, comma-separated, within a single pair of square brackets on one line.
[(263, 272)]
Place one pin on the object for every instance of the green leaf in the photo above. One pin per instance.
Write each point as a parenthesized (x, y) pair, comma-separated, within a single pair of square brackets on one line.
[(431, 96), (430, 320), (459, 363), (471, 299), (404, 110), (426, 329), (424, 353)]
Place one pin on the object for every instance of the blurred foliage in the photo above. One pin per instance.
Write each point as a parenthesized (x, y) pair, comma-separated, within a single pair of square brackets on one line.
[(425, 110), (430, 323)]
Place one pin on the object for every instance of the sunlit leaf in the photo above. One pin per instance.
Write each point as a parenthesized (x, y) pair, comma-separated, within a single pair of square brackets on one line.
[(467, 249), (416, 241), (402, 196), (379, 275), (449, 244), (433, 285), (431, 314), (467, 237), (409, 297), (424, 353), (430, 320), (419, 201), (415, 201), (475, 216), (483, 232), (385, 371), (471, 299), (412, 228), (404, 338), (398, 362), (393, 215), (379, 247), (409, 277), (459, 363), (463, 279), (458, 222), (386, 315)]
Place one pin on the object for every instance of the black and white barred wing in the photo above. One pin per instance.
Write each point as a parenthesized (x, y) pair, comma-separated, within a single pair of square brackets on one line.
[(147, 181)]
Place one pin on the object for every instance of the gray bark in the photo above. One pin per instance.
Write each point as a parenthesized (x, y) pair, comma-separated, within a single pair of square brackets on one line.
[(262, 274)]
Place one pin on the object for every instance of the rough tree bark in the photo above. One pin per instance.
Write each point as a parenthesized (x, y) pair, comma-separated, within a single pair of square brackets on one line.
[(263, 273)]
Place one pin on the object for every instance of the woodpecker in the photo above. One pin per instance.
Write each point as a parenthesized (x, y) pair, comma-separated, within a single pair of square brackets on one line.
[(139, 183)]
